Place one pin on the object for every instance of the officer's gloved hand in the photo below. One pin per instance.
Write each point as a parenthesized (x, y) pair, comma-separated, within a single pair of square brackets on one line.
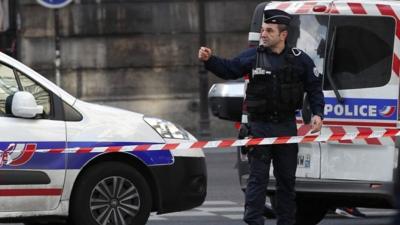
[(244, 132)]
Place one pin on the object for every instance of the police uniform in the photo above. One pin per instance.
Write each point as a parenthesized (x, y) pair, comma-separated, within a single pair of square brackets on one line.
[(274, 92)]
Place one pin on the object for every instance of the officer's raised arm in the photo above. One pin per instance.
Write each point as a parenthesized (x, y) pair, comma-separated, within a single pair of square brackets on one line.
[(227, 68)]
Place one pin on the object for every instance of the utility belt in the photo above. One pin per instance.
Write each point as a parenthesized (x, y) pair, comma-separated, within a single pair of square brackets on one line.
[(272, 117)]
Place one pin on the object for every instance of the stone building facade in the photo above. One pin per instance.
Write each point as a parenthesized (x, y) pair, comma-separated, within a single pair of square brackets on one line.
[(140, 55)]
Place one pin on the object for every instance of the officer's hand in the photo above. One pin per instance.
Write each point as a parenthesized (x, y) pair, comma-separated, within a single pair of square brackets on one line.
[(204, 53), (316, 124)]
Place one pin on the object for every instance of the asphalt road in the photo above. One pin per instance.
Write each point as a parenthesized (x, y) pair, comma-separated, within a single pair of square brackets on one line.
[(224, 202)]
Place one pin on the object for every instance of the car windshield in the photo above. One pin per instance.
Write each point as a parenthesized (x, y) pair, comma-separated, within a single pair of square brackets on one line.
[(308, 33)]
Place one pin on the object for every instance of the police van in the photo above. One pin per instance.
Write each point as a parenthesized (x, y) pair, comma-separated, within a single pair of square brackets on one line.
[(355, 46), (62, 158)]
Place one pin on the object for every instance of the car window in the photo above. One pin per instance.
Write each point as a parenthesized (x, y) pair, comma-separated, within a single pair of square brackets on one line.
[(8, 86), (363, 51), (41, 95)]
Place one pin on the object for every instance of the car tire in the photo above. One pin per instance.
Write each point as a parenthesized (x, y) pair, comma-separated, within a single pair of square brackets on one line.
[(111, 192), (310, 211)]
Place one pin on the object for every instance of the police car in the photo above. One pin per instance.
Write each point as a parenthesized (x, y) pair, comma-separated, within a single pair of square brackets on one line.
[(62, 158), (355, 46)]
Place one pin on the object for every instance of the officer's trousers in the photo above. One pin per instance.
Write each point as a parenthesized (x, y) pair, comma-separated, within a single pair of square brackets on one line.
[(284, 160)]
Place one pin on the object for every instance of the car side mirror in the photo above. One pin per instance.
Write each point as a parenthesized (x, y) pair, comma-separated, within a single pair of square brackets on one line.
[(306, 110), (23, 104)]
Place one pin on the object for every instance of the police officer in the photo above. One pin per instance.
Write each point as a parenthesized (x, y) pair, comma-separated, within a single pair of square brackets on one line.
[(279, 76)]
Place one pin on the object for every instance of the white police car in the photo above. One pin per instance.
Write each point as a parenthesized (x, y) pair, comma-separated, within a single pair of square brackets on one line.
[(61, 158)]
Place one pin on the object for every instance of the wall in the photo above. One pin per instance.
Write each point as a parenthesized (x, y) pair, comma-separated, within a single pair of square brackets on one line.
[(137, 55)]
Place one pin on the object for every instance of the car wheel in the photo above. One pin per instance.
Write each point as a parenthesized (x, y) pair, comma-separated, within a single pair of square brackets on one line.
[(310, 211), (111, 193)]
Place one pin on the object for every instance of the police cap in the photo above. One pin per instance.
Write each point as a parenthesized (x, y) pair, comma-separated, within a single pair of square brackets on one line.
[(277, 16)]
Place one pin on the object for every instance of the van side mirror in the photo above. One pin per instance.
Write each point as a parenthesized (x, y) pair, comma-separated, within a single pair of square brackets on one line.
[(226, 101), (23, 104), (306, 110)]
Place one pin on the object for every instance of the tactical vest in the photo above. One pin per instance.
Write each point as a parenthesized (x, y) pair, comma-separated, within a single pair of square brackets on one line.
[(274, 95)]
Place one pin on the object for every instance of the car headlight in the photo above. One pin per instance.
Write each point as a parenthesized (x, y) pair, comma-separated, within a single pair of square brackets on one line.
[(167, 129)]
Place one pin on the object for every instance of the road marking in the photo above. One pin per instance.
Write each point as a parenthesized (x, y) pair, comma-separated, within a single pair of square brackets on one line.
[(222, 209), (219, 203), (222, 206), (234, 217), (155, 217), (189, 213)]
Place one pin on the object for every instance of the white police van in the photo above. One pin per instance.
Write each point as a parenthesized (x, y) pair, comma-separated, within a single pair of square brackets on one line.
[(63, 158), (355, 46)]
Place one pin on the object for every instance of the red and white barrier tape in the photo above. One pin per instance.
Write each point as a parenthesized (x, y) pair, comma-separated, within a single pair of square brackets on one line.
[(227, 143)]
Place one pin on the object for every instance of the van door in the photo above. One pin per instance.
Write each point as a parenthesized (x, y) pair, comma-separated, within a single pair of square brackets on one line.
[(30, 181), (361, 70), (308, 33)]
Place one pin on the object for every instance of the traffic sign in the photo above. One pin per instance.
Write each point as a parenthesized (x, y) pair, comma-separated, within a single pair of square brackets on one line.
[(54, 4)]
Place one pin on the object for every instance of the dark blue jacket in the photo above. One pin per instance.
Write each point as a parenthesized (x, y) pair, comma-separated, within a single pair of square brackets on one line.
[(244, 63)]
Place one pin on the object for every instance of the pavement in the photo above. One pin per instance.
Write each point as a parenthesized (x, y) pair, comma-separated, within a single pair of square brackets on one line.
[(234, 211)]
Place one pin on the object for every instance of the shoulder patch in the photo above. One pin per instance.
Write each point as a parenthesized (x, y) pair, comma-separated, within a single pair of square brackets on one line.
[(296, 51), (316, 73)]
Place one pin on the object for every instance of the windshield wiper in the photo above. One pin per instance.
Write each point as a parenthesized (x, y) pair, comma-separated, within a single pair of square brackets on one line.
[(330, 68)]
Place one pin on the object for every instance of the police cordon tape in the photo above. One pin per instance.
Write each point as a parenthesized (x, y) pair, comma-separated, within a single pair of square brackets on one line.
[(226, 143)]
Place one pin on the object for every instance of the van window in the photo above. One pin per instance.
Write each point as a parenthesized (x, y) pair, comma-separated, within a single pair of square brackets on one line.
[(363, 51), (8, 86)]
